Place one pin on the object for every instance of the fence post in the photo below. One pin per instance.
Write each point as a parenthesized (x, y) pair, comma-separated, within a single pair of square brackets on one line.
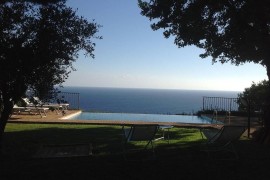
[(203, 103), (78, 101)]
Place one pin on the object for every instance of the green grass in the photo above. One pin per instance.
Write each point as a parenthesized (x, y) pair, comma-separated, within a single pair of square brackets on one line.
[(181, 158), (24, 139)]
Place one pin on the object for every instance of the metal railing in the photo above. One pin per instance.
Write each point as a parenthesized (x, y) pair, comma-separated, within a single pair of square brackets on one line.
[(72, 98), (220, 104)]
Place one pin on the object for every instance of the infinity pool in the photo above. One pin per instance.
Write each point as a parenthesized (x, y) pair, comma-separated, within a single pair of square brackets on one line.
[(141, 117)]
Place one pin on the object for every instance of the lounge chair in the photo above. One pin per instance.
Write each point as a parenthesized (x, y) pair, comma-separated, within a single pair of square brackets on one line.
[(57, 106), (27, 102), (40, 110), (221, 140), (17, 109), (39, 103), (144, 133)]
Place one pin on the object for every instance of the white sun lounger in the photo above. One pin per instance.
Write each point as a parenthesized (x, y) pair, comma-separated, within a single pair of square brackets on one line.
[(40, 104), (42, 111)]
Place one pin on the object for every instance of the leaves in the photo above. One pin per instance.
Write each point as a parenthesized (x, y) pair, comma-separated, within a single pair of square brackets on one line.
[(236, 31), (256, 95), (39, 41)]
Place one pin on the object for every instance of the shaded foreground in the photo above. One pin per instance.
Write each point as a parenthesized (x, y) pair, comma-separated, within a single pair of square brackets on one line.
[(179, 159)]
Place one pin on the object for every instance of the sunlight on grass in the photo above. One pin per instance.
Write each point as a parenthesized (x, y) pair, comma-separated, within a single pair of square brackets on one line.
[(106, 139), (181, 152)]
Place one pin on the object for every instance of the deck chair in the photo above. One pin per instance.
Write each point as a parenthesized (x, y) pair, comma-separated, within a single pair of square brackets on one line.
[(30, 109), (39, 105), (57, 106), (27, 102), (17, 109), (143, 133), (42, 111), (221, 140)]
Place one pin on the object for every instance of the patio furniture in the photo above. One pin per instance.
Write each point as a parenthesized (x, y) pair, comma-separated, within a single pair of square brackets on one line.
[(42, 111), (221, 140), (144, 133)]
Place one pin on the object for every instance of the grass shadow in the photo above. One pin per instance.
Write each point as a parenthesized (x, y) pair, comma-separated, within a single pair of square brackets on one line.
[(179, 159)]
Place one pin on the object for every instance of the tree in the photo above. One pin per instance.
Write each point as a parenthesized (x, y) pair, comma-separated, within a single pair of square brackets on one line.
[(253, 101), (39, 41), (255, 96), (236, 31)]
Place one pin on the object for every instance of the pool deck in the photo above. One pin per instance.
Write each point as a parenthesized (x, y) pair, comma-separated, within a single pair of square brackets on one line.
[(54, 118)]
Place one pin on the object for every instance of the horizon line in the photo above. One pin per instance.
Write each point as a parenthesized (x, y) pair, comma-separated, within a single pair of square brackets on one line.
[(145, 88)]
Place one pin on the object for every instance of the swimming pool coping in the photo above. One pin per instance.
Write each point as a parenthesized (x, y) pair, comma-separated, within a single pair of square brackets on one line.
[(70, 115), (120, 120), (54, 118)]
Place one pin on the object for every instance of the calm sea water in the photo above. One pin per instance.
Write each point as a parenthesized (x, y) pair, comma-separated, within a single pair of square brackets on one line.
[(146, 101)]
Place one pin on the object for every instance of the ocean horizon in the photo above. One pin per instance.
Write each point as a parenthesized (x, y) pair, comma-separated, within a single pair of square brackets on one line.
[(145, 101)]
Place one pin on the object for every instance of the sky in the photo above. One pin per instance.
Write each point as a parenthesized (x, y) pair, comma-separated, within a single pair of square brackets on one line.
[(132, 55)]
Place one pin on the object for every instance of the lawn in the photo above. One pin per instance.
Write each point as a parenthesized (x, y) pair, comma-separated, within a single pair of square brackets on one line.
[(181, 158)]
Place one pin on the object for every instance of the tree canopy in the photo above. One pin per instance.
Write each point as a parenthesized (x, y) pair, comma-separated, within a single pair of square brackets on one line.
[(39, 41), (228, 30), (254, 96), (236, 31)]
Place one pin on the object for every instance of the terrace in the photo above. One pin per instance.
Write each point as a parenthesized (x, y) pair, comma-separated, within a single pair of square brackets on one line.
[(181, 158)]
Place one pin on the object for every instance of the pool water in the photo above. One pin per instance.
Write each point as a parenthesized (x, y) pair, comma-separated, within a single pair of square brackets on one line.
[(142, 117)]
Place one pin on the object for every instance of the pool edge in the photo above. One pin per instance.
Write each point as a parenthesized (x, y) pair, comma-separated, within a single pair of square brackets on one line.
[(70, 115)]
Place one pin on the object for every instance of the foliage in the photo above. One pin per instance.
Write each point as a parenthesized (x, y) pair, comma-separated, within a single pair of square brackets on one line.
[(39, 44), (39, 41), (254, 96), (235, 31)]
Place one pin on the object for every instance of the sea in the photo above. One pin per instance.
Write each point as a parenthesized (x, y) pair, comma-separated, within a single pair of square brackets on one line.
[(144, 101)]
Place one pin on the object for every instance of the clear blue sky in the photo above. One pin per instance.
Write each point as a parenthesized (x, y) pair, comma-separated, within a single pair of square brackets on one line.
[(132, 55)]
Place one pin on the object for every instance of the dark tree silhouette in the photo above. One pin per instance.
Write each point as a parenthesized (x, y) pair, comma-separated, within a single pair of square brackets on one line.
[(39, 41), (236, 31)]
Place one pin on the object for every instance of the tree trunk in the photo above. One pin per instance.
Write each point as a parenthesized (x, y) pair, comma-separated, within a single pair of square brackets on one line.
[(9, 96), (7, 110), (265, 135)]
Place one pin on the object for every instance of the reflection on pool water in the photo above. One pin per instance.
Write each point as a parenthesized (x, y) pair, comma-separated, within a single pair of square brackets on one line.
[(142, 117)]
